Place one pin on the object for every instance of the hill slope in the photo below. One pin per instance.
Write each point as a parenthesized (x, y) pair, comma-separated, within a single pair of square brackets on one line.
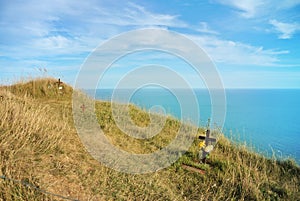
[(39, 147)]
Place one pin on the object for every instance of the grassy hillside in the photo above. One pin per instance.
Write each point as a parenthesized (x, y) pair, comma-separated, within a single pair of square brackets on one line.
[(39, 147)]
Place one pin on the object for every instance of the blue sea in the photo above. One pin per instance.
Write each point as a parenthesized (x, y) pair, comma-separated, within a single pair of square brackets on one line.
[(267, 120)]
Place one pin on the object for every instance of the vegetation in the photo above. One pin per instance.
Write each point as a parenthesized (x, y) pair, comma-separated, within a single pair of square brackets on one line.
[(39, 147)]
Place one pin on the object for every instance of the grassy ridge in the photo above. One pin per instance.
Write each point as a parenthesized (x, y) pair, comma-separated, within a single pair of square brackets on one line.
[(39, 145)]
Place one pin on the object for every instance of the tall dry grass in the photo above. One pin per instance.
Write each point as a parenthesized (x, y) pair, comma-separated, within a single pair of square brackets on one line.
[(27, 131), (39, 146)]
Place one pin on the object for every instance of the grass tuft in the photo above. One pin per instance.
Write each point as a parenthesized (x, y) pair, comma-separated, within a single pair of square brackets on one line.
[(39, 146)]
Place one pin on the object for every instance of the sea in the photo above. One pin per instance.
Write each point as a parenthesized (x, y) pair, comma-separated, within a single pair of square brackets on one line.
[(265, 120)]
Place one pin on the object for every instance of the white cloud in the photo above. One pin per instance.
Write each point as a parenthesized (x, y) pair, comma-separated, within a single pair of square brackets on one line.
[(254, 8), (130, 14), (53, 42), (231, 52), (260, 79), (247, 8), (204, 28), (286, 30), (42, 31), (68, 27), (286, 4), (138, 15)]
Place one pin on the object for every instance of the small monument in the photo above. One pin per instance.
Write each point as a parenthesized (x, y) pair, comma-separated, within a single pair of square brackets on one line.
[(207, 145), (59, 85)]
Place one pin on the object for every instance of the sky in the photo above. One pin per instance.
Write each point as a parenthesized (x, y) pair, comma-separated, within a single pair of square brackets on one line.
[(253, 44)]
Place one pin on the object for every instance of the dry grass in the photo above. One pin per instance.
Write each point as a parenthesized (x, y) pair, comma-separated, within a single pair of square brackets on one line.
[(39, 145)]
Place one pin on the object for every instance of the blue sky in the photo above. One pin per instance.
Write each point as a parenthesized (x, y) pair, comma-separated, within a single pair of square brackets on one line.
[(254, 44)]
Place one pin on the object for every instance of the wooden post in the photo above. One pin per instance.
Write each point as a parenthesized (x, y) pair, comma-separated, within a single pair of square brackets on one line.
[(208, 147), (59, 86), (209, 140), (59, 82)]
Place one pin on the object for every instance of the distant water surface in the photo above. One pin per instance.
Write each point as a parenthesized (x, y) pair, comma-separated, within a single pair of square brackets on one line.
[(267, 119)]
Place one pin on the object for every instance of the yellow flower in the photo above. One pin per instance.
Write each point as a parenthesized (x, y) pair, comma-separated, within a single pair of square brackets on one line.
[(202, 144)]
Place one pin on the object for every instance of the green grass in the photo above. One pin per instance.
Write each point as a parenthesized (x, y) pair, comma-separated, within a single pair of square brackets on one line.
[(39, 145)]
